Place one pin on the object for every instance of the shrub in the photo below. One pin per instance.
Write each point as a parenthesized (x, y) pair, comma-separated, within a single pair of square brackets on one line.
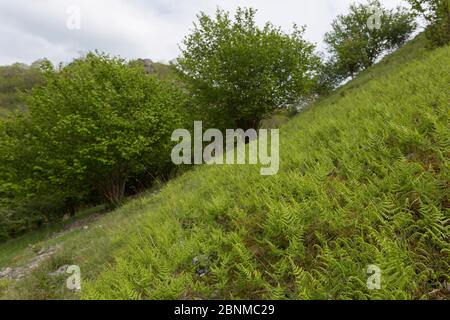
[(355, 44), (437, 15), (97, 123)]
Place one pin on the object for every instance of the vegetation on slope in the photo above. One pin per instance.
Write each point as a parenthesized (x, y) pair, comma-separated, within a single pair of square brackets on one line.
[(239, 74), (364, 180), (437, 15), (358, 38), (89, 244), (99, 128)]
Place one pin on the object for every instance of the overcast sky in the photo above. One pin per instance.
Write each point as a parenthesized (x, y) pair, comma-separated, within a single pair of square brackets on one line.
[(33, 29)]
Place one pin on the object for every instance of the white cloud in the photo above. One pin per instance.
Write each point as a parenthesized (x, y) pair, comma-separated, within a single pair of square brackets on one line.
[(137, 28)]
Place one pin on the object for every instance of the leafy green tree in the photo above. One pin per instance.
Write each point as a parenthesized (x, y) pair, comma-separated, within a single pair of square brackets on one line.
[(437, 15), (240, 73), (96, 123), (360, 37)]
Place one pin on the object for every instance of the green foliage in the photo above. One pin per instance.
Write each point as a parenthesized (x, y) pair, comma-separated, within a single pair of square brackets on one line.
[(96, 124), (437, 15), (364, 180), (356, 41), (90, 248), (240, 73), (31, 213)]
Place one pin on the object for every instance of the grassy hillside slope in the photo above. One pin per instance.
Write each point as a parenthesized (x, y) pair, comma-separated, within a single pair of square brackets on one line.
[(364, 180)]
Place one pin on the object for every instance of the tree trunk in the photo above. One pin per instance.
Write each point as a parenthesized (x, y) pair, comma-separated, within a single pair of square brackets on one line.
[(246, 124), (70, 207), (114, 189)]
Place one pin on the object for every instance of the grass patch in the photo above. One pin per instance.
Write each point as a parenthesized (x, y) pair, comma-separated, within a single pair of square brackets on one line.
[(90, 246)]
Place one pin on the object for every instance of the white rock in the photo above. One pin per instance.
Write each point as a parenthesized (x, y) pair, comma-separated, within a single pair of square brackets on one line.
[(5, 272)]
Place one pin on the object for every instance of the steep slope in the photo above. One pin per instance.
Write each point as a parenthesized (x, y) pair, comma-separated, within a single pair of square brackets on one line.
[(364, 180)]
